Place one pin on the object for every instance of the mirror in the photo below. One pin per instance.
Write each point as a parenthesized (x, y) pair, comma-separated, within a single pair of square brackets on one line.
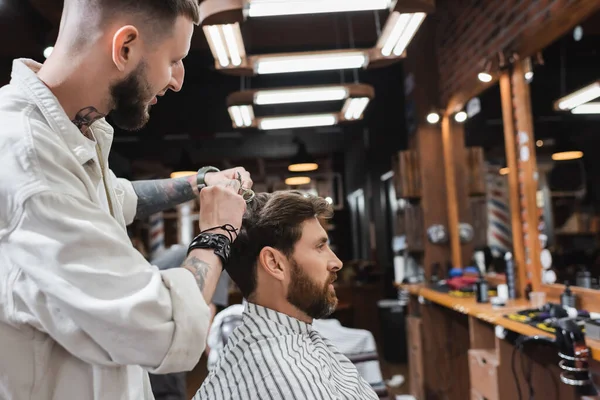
[(489, 204), (568, 156)]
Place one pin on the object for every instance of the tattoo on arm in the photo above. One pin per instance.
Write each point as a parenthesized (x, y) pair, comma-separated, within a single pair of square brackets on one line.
[(85, 118), (161, 194), (199, 268)]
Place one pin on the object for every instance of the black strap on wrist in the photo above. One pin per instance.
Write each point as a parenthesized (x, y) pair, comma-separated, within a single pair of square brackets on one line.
[(216, 241), (230, 229)]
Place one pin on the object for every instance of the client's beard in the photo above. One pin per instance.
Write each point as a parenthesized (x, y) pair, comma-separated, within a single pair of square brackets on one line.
[(314, 300), (130, 99)]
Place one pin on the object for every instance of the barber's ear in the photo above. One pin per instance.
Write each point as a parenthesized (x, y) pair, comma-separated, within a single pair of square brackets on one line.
[(126, 47), (271, 261)]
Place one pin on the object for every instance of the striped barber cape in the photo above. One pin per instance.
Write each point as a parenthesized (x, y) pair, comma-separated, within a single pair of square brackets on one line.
[(273, 356)]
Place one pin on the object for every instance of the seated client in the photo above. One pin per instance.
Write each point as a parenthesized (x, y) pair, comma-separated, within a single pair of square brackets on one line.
[(284, 267)]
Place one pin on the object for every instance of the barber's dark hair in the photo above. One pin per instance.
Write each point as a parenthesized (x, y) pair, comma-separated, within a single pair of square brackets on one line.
[(271, 219)]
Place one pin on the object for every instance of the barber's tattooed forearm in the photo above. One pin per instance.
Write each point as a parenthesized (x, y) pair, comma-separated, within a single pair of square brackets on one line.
[(161, 194), (86, 117), (199, 268)]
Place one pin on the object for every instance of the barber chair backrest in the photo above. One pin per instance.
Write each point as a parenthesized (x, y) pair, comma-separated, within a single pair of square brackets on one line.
[(228, 325)]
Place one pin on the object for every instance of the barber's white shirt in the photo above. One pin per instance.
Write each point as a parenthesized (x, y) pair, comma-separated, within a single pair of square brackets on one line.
[(82, 314)]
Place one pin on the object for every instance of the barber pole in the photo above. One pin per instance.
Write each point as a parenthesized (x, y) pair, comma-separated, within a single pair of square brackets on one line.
[(185, 224), (157, 234), (499, 228)]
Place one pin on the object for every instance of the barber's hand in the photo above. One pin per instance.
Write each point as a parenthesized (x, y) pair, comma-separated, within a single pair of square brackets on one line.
[(221, 205), (213, 178)]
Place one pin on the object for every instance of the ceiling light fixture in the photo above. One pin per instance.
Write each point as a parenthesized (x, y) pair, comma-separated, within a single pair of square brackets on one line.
[(242, 116), (587, 108), (305, 62), (356, 95), (528, 67), (484, 77), (579, 97), (270, 8), (460, 116), (297, 180), (221, 20), (226, 44), (567, 155), (300, 95), (398, 31), (433, 117), (302, 161), (297, 121), (353, 108)]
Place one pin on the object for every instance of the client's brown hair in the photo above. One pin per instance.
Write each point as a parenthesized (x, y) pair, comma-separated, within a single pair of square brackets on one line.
[(271, 219)]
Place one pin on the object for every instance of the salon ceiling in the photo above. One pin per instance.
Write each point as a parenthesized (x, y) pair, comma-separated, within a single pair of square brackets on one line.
[(193, 125)]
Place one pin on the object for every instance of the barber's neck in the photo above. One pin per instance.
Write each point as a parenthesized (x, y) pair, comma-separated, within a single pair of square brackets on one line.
[(279, 303), (80, 85)]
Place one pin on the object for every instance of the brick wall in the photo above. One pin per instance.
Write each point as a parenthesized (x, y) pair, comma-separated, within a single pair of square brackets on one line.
[(469, 31)]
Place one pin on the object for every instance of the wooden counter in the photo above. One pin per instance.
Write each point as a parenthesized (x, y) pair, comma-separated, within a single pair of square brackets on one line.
[(445, 330), (490, 314)]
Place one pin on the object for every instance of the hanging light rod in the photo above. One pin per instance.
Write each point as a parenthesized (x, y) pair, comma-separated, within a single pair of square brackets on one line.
[(355, 97), (578, 97), (221, 22), (270, 8)]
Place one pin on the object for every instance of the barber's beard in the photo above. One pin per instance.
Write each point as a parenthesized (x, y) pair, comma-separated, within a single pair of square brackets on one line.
[(316, 300), (130, 98)]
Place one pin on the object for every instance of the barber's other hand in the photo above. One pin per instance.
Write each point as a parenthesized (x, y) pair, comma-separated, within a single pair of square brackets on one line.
[(221, 205), (214, 178)]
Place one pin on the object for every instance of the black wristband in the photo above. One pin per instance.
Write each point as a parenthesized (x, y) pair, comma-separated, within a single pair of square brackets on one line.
[(216, 241)]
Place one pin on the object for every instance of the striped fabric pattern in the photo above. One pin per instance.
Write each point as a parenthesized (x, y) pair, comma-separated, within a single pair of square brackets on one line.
[(273, 356)]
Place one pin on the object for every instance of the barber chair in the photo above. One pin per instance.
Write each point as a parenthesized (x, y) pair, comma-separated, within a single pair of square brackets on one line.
[(228, 326), (380, 387)]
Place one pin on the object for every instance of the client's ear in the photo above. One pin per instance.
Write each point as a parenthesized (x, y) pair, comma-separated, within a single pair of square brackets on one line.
[(270, 260)]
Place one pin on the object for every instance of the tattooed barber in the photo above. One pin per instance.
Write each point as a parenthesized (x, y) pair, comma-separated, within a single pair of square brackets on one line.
[(82, 314)]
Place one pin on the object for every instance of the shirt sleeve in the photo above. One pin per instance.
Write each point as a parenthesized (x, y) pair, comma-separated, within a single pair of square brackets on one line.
[(82, 283), (126, 196)]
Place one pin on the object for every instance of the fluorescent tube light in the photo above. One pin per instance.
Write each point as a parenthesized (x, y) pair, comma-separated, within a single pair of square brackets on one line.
[(226, 43), (579, 97), (587, 108), (242, 116), (399, 30), (409, 33), (269, 8), (284, 96), (354, 108), (297, 121), (310, 62)]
